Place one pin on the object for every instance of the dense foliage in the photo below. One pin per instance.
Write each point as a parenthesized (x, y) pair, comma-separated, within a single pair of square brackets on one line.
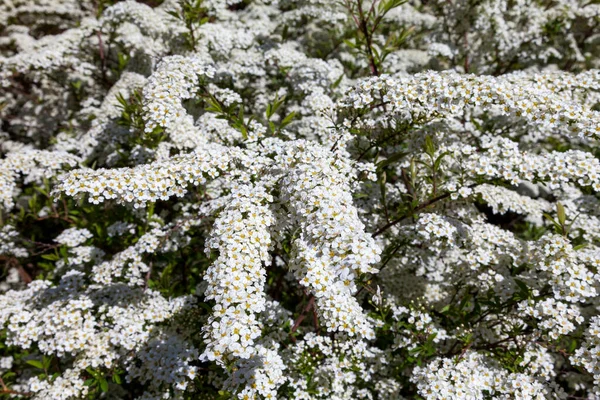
[(299, 199)]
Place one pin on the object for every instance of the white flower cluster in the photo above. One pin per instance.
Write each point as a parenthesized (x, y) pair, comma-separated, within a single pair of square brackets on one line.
[(333, 248), (176, 78), (336, 366), (65, 387), (35, 165), (73, 237), (503, 200), (434, 227), (145, 183), (394, 200), (473, 376), (98, 329), (588, 355), (165, 361), (571, 279), (236, 282), (119, 228), (8, 242), (501, 158), (555, 317), (430, 95), (6, 363), (422, 322), (128, 265)]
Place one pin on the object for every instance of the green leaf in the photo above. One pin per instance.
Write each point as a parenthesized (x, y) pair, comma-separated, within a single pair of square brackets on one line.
[(391, 159), (549, 218), (64, 255), (438, 161), (123, 60), (523, 288), (8, 375), (350, 44), (174, 14), (223, 395), (273, 107), (121, 100), (404, 34), (35, 363), (46, 361), (337, 82), (557, 226), (376, 56), (103, 384), (429, 146), (50, 257), (386, 6), (42, 191), (287, 120), (76, 85), (213, 105), (560, 212)]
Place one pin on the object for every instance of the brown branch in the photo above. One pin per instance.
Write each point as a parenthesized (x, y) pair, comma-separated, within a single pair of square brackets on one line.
[(362, 25), (12, 261), (315, 318), (462, 353), (309, 305), (368, 39), (6, 390), (148, 274), (417, 209), (102, 55), (467, 65)]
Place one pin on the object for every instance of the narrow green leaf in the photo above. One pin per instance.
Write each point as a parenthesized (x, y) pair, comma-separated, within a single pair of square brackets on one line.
[(549, 218), (337, 81), (103, 384), (174, 14), (46, 361), (350, 44), (438, 161), (391, 159), (429, 146), (560, 212), (288, 119), (35, 363)]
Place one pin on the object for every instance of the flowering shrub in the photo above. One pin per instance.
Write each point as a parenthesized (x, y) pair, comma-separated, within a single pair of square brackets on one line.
[(299, 199)]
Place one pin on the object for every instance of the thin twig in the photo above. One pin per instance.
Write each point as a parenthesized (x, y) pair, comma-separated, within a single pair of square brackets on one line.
[(308, 306), (102, 55), (418, 208), (6, 390)]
